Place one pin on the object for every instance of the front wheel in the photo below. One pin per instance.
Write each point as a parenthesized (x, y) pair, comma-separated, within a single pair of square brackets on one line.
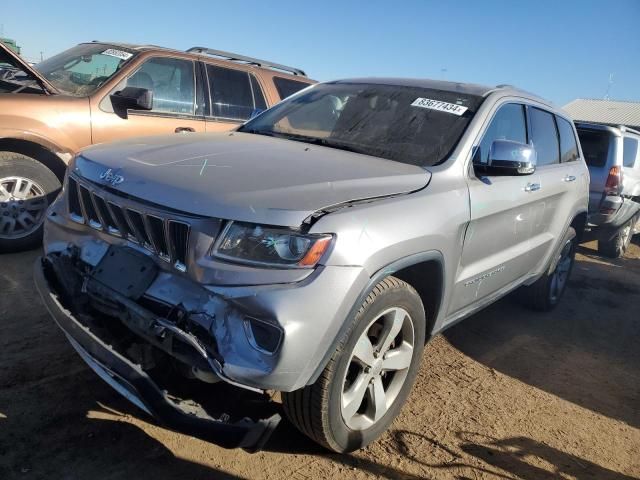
[(27, 188), (545, 293), (370, 374)]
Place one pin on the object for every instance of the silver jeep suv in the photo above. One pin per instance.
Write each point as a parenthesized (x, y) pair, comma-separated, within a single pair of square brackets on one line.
[(313, 251)]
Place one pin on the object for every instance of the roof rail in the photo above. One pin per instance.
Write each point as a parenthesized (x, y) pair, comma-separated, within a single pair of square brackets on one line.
[(234, 57), (622, 128)]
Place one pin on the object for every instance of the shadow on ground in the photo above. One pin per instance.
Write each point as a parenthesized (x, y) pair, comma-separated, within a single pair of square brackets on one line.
[(585, 351)]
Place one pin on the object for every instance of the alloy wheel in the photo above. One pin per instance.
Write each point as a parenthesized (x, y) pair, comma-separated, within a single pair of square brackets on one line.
[(23, 204), (377, 369)]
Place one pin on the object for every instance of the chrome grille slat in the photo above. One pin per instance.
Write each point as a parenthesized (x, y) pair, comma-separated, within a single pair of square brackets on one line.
[(165, 236)]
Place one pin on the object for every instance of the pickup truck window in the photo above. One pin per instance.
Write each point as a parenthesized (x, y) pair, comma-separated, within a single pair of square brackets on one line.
[(507, 124), (630, 152), (545, 137), (568, 145), (413, 125)]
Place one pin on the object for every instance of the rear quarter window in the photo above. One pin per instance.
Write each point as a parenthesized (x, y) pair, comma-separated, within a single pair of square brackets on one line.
[(287, 87), (630, 152), (568, 145), (595, 146)]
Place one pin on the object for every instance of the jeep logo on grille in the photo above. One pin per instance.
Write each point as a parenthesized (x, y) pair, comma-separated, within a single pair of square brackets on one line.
[(112, 178)]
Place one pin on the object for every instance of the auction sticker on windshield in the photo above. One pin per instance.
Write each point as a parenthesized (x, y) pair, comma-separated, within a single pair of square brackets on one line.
[(439, 105), (112, 52)]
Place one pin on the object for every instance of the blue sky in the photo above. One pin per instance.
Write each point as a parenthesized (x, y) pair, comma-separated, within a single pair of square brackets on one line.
[(558, 49)]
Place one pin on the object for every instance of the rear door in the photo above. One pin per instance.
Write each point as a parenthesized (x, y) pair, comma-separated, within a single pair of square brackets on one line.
[(175, 109), (235, 95), (559, 180)]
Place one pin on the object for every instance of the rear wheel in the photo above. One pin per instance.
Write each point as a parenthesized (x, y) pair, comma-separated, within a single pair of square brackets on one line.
[(27, 188), (370, 374), (545, 293), (616, 246)]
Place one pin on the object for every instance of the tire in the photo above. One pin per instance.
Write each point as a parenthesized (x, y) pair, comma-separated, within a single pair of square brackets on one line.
[(545, 293), (27, 188), (318, 410), (616, 246)]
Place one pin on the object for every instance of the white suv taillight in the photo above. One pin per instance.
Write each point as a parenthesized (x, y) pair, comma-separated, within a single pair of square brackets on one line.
[(614, 181)]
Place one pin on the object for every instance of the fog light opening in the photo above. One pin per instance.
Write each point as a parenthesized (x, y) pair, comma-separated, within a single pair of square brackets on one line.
[(262, 335)]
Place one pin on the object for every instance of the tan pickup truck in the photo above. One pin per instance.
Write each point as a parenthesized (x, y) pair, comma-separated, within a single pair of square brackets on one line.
[(99, 92)]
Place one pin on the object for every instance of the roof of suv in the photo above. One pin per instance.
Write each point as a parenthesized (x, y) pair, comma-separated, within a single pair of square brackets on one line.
[(464, 88), (222, 55)]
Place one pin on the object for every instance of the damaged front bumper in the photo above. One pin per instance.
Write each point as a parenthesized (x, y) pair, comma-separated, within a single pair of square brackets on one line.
[(132, 380)]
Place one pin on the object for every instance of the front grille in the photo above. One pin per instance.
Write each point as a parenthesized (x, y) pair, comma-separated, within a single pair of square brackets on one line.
[(161, 234)]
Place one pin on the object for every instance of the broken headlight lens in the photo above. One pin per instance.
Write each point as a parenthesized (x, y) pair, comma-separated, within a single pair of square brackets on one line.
[(272, 246)]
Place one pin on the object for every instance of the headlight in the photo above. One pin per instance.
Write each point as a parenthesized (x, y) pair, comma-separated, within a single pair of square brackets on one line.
[(271, 246)]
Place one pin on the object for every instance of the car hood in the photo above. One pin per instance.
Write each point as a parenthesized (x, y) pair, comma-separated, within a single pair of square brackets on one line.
[(244, 177)]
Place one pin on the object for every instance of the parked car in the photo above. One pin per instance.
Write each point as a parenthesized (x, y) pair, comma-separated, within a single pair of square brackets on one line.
[(613, 157), (98, 92), (313, 251)]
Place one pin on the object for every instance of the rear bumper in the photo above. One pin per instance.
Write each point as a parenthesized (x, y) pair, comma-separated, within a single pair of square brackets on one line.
[(605, 226), (135, 385)]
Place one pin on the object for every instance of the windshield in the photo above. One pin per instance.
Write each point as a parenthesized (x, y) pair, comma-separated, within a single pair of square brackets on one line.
[(412, 125), (82, 69)]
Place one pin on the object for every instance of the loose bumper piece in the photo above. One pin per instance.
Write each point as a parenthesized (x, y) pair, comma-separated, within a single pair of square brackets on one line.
[(137, 386)]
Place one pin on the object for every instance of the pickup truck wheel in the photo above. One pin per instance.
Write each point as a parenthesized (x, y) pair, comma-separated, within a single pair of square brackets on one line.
[(27, 188), (369, 376), (545, 293), (615, 247)]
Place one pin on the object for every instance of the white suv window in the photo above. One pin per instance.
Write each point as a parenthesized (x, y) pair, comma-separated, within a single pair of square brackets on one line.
[(630, 152), (544, 135), (507, 124)]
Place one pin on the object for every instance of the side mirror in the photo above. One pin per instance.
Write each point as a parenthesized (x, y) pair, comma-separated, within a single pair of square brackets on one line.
[(131, 98), (507, 157)]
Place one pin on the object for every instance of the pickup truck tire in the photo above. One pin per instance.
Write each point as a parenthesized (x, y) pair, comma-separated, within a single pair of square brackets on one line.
[(27, 188), (545, 293), (368, 378), (616, 246)]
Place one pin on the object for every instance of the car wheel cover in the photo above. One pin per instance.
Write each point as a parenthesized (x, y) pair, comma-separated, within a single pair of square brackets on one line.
[(561, 273), (377, 368), (23, 204)]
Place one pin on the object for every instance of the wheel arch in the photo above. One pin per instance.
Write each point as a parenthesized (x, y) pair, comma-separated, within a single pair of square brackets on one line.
[(579, 224), (415, 270), (36, 151)]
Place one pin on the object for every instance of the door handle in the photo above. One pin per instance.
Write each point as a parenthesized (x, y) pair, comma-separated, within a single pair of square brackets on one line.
[(184, 129), (569, 178), (531, 187)]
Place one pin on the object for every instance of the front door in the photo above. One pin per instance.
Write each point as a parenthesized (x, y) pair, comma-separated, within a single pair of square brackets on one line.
[(175, 110), (496, 245)]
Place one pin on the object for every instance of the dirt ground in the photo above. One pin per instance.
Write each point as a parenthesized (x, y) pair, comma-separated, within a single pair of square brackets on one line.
[(506, 394)]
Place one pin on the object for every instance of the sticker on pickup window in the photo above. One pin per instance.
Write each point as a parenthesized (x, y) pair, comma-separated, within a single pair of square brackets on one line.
[(121, 54), (439, 106)]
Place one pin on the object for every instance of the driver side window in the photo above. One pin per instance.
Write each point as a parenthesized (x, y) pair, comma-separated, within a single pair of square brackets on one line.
[(507, 124), (172, 82)]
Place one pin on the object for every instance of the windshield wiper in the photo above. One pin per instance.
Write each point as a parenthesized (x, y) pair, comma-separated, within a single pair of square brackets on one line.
[(324, 142)]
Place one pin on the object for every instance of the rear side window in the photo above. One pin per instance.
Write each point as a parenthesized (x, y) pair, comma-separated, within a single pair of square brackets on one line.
[(595, 147), (287, 87), (544, 136), (231, 93), (568, 145), (630, 152), (507, 124)]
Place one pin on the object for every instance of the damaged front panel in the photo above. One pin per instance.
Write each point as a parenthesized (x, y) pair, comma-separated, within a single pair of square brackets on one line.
[(165, 344)]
